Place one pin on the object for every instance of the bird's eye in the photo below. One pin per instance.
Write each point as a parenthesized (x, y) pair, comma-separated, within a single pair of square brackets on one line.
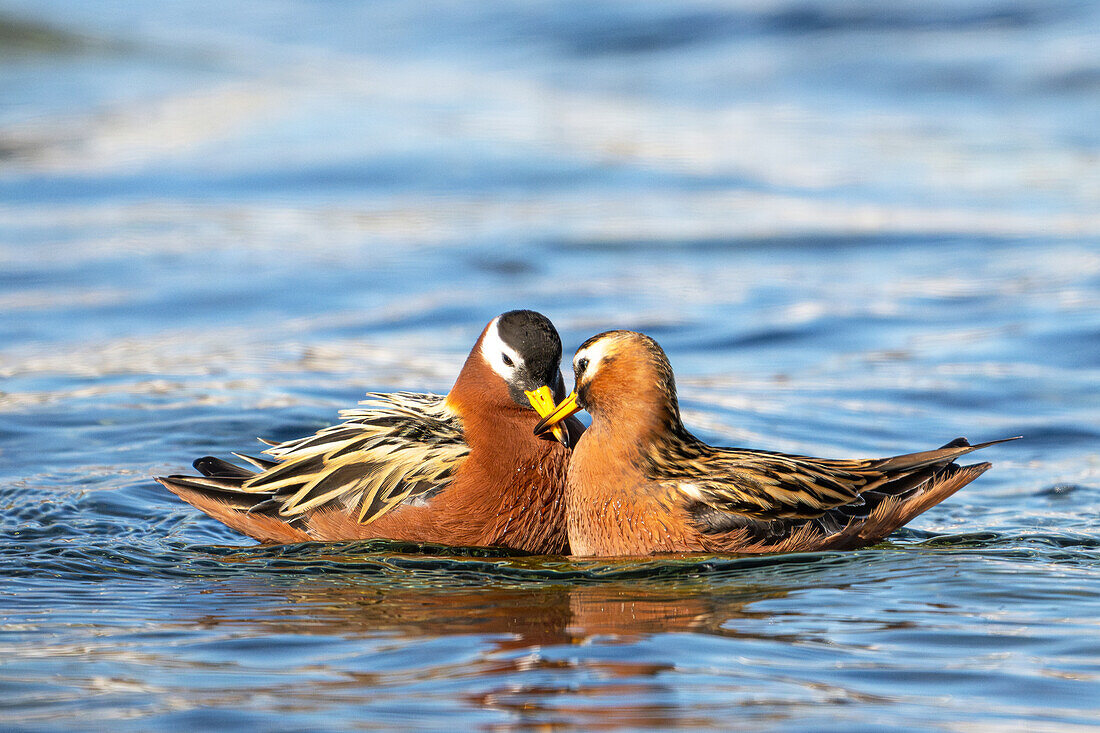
[(507, 360), (582, 364)]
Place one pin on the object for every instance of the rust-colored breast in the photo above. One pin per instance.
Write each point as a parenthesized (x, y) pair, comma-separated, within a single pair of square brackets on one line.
[(509, 492), (613, 510)]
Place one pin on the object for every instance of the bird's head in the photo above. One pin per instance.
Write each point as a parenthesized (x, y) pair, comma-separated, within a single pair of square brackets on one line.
[(620, 376), (517, 359)]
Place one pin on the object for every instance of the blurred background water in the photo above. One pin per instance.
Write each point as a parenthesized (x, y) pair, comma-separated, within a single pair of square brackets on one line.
[(858, 228)]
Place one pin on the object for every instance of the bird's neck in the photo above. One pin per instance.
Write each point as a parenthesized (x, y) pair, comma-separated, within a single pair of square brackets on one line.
[(520, 482), (637, 430)]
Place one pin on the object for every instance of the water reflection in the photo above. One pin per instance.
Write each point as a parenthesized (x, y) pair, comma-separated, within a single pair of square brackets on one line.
[(855, 228), (514, 617), (526, 665), (369, 633)]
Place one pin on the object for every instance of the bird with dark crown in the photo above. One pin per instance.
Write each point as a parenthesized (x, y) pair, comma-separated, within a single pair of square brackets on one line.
[(639, 483), (461, 469)]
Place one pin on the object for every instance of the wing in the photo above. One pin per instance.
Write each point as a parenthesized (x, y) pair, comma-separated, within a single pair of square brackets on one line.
[(772, 486), (397, 447)]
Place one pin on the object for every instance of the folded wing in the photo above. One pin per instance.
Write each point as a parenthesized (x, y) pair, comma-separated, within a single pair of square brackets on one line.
[(397, 447), (730, 487)]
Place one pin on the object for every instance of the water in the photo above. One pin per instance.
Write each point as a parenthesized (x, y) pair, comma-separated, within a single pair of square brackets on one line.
[(857, 230)]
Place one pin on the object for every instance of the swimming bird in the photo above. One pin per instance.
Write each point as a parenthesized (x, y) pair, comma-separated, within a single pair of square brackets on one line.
[(461, 469), (639, 483)]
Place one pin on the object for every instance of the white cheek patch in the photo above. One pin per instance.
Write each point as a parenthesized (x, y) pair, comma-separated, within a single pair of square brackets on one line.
[(492, 350), (594, 354), (577, 358)]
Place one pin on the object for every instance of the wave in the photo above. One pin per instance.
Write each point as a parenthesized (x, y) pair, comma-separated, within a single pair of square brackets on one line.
[(403, 561)]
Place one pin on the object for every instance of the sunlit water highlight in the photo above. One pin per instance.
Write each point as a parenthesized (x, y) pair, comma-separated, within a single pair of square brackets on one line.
[(858, 229)]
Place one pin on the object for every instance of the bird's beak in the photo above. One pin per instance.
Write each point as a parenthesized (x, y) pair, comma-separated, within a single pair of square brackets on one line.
[(552, 418), (542, 399)]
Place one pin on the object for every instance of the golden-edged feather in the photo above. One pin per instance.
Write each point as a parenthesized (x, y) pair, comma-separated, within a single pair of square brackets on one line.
[(766, 486), (396, 447)]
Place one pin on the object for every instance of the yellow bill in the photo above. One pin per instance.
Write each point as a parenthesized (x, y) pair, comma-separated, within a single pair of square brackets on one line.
[(542, 399), (551, 419)]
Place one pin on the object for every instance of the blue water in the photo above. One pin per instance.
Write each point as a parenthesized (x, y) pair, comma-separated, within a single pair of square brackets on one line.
[(857, 228)]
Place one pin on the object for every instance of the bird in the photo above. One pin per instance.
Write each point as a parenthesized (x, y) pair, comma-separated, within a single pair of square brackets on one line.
[(640, 484), (464, 469)]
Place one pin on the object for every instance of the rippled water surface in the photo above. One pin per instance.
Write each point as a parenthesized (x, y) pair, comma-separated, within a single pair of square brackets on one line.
[(858, 229)]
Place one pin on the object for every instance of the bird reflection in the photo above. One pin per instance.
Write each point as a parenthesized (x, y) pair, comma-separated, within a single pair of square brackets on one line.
[(517, 616), (528, 666)]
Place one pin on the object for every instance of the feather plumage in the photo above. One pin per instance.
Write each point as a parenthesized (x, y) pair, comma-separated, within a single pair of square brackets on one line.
[(768, 485), (396, 447), (464, 469), (640, 483)]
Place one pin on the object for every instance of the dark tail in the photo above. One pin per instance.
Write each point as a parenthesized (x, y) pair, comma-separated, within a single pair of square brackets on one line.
[(898, 502), (219, 493), (926, 479), (941, 456)]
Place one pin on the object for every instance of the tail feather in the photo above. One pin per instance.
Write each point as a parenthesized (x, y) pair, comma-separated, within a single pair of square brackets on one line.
[(222, 476), (949, 480), (955, 449), (218, 492), (217, 468), (926, 479), (921, 481), (895, 511), (206, 483)]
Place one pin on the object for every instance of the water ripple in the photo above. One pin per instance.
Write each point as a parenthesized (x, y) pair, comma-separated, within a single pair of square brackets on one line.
[(859, 229), (39, 554)]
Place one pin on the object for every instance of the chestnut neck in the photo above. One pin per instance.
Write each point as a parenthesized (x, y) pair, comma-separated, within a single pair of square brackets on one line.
[(500, 432), (633, 407)]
